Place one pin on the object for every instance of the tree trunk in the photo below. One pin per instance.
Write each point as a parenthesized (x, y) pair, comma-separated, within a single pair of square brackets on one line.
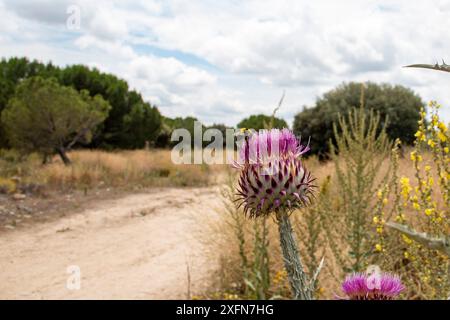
[(45, 159), (300, 286), (62, 153)]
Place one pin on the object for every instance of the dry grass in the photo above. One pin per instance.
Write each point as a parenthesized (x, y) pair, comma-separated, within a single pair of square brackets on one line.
[(96, 169)]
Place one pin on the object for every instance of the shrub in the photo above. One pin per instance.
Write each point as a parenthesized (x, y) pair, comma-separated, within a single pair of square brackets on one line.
[(399, 104), (261, 121), (7, 185)]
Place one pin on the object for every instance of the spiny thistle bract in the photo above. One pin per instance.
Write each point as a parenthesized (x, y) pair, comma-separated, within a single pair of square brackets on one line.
[(361, 286), (272, 177)]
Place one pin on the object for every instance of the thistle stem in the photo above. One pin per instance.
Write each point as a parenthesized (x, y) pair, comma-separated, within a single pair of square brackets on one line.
[(297, 278)]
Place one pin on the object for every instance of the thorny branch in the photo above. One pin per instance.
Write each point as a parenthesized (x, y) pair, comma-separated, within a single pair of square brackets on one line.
[(442, 244), (440, 67)]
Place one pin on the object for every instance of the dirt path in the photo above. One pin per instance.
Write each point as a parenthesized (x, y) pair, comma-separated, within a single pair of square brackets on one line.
[(136, 247)]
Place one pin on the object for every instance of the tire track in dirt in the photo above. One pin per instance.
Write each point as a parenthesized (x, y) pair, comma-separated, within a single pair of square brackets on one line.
[(135, 247)]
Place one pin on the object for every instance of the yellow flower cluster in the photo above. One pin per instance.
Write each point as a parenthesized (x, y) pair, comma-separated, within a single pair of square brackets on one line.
[(425, 199), (279, 277), (230, 296), (405, 188), (378, 219), (406, 239), (320, 291), (415, 157)]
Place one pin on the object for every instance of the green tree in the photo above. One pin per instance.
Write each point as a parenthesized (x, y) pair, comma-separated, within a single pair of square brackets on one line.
[(14, 70), (113, 90), (139, 125), (400, 104), (46, 117), (261, 121), (126, 105), (222, 128), (123, 127), (163, 138), (187, 123)]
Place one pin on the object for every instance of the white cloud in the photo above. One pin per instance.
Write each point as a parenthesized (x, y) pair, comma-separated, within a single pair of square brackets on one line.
[(169, 71), (115, 49), (107, 23), (223, 60), (46, 11)]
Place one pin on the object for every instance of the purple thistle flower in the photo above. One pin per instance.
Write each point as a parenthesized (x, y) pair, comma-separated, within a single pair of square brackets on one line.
[(272, 176), (361, 286), (263, 145), (355, 285), (391, 285)]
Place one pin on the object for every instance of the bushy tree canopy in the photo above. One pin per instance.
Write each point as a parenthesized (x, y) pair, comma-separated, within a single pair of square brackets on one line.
[(131, 121), (169, 125), (222, 128), (12, 71), (400, 104), (187, 123), (139, 126), (261, 121), (47, 117)]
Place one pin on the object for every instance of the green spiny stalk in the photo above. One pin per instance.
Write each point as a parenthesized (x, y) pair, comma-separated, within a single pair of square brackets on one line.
[(300, 285)]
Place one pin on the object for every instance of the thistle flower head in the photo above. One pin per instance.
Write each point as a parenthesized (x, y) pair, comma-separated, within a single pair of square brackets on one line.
[(266, 144), (272, 175), (361, 286)]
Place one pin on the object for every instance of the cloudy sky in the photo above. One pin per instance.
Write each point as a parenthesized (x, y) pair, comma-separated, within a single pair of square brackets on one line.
[(223, 60)]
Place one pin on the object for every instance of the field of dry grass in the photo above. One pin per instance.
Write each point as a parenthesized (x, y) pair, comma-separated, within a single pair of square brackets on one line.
[(97, 169), (140, 168)]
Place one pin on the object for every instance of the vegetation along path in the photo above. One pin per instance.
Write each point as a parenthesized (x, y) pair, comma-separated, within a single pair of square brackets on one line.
[(140, 246)]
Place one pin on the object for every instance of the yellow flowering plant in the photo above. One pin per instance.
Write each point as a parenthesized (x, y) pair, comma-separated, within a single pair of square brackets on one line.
[(419, 212)]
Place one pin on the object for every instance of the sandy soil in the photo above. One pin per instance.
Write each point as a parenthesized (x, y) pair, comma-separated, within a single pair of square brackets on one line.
[(135, 247)]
